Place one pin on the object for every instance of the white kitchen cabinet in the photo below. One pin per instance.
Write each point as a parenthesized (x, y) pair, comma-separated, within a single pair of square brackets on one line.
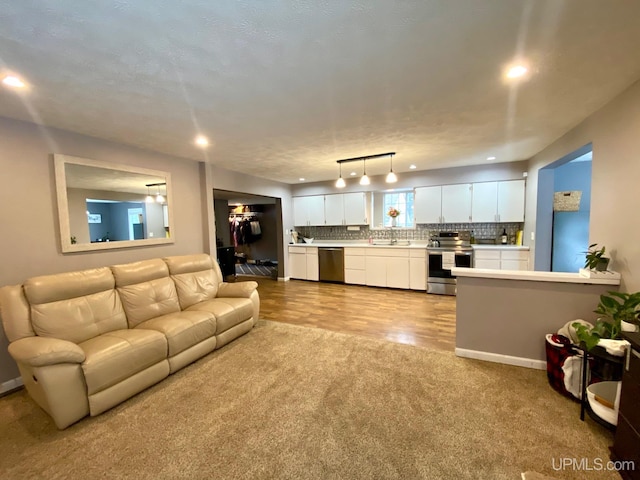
[(427, 205), (505, 258), (498, 201), (376, 271), (511, 201), (303, 263), (298, 263), (308, 211), (354, 266), (418, 269), (334, 209), (484, 202), (356, 211), (387, 267), (456, 203), (514, 260)]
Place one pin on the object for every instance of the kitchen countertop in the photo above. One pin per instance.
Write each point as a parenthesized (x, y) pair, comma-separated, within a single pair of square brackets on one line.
[(400, 244), (536, 276), (499, 247)]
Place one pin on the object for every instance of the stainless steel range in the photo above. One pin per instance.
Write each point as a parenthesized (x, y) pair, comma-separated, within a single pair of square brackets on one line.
[(445, 251)]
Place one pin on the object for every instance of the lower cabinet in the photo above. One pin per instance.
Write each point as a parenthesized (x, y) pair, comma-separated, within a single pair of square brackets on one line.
[(387, 267), (303, 263), (501, 259), (418, 269), (354, 266), (393, 267)]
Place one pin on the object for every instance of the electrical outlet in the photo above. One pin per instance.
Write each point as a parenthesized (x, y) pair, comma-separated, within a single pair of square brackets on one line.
[(533, 236)]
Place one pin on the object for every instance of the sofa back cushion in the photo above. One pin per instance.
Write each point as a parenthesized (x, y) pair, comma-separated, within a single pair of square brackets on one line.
[(75, 306), (197, 278), (146, 290)]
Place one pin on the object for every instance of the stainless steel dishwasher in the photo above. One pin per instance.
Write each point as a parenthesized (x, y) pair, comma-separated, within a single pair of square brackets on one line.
[(331, 264)]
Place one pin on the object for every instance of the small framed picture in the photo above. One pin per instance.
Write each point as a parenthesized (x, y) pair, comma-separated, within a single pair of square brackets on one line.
[(94, 218)]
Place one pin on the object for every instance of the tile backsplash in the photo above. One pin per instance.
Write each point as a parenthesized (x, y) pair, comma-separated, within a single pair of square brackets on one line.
[(483, 232)]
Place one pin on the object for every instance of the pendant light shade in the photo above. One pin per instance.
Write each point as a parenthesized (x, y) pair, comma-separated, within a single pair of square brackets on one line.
[(365, 179), (340, 183), (159, 197), (391, 177), (149, 198)]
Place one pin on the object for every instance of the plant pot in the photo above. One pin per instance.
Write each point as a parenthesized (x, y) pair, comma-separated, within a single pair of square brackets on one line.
[(602, 264)]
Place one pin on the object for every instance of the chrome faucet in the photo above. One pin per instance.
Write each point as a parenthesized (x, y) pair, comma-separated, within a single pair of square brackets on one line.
[(394, 241)]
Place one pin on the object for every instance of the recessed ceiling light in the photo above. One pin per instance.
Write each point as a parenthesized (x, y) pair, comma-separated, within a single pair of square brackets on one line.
[(491, 158), (202, 141), (353, 174), (13, 81), (517, 71), (301, 179), (412, 167)]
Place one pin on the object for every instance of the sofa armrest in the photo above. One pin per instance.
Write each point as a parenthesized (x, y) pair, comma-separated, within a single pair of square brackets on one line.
[(42, 351), (238, 289)]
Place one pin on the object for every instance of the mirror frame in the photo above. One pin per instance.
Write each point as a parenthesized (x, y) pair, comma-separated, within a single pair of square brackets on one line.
[(63, 205)]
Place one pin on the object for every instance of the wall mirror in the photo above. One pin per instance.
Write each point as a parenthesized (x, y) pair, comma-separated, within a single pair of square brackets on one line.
[(104, 206)]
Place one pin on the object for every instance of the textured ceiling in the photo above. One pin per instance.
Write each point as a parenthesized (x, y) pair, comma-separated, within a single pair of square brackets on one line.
[(283, 89)]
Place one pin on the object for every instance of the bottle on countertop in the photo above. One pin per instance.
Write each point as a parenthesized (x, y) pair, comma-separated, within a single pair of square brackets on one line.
[(504, 238), (472, 239), (370, 240)]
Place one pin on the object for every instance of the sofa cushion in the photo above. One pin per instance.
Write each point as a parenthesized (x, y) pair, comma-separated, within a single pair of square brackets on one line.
[(146, 290), (115, 356), (196, 277), (229, 312), (75, 306), (183, 329)]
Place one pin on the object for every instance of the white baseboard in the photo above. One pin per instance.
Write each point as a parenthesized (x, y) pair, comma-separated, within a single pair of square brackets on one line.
[(284, 279), (10, 385), (499, 358)]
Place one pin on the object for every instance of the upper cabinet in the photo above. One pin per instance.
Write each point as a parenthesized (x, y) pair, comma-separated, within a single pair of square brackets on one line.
[(456, 203), (498, 201), (337, 209), (308, 211), (443, 204), (427, 204)]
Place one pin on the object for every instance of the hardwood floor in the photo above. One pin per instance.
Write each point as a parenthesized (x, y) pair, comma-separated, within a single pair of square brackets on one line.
[(401, 316)]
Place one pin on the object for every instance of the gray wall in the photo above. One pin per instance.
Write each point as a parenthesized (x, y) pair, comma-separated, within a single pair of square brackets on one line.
[(512, 317), (30, 244), (614, 134)]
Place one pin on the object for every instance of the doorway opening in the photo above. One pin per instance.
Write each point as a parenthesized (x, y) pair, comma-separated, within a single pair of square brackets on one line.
[(564, 207), (249, 236), (136, 224)]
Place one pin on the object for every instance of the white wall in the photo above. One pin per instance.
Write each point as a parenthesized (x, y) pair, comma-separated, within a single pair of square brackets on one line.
[(614, 132), (30, 240)]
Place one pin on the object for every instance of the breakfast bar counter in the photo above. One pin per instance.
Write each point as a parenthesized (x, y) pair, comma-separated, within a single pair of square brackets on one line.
[(503, 316)]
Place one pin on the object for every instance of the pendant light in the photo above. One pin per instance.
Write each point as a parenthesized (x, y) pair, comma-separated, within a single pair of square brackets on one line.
[(364, 180), (159, 197), (391, 177), (149, 198), (340, 183)]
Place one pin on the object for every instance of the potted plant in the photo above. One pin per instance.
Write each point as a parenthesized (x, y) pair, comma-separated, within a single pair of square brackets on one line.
[(595, 259), (616, 309)]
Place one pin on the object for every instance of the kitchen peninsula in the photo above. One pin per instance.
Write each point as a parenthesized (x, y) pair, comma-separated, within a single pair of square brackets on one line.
[(503, 316)]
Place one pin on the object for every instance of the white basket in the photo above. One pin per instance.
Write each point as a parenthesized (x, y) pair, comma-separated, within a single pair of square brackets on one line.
[(609, 392)]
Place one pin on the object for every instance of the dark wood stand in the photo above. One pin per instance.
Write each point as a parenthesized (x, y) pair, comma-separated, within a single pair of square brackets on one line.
[(626, 446)]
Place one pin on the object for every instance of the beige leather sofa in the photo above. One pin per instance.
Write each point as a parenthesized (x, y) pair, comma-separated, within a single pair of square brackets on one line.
[(86, 341)]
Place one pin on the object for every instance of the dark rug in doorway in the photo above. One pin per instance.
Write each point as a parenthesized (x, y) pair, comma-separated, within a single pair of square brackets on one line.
[(256, 270)]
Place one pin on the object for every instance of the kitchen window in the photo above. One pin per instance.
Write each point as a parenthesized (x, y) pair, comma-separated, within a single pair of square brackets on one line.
[(402, 201)]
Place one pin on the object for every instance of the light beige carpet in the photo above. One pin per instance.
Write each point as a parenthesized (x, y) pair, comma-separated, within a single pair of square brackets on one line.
[(292, 402)]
